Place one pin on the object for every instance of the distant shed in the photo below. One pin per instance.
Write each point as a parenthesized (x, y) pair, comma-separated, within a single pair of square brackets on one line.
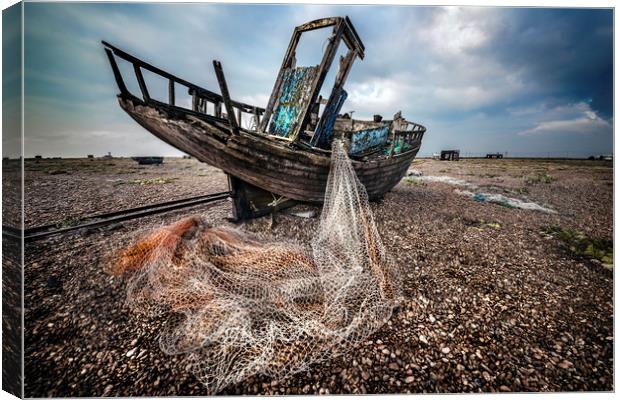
[(495, 155), (449, 155)]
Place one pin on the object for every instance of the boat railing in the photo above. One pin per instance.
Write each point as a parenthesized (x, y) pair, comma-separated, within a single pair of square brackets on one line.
[(405, 135), (200, 97)]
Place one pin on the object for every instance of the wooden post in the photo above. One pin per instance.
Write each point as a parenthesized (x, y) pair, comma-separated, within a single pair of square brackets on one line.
[(239, 120), (171, 92), (194, 101), (141, 83), (234, 127), (217, 109)]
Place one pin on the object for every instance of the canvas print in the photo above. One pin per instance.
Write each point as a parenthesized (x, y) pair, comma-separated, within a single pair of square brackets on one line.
[(206, 199)]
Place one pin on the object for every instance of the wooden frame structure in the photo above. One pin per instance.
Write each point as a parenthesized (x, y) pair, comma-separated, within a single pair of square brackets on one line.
[(342, 31), (268, 172)]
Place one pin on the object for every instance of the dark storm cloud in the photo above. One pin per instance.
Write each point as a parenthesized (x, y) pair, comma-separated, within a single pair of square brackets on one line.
[(482, 79), (566, 54)]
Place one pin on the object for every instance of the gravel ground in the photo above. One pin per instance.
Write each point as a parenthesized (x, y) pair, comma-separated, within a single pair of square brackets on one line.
[(491, 303), (56, 189)]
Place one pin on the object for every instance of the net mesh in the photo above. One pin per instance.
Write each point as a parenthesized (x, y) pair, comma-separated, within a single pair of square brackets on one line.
[(247, 305)]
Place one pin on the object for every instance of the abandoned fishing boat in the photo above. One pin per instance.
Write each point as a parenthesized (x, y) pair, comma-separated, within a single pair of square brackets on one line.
[(282, 151)]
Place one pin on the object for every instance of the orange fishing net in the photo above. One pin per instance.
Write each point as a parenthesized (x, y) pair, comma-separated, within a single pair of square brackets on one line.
[(251, 305)]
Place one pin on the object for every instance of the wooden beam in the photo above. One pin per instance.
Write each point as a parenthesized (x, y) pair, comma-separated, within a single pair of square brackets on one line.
[(286, 62), (111, 51), (141, 83), (117, 73), (230, 112), (343, 72), (318, 24)]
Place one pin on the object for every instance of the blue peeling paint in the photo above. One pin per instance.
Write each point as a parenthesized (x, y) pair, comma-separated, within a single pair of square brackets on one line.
[(294, 98), (325, 131), (367, 139)]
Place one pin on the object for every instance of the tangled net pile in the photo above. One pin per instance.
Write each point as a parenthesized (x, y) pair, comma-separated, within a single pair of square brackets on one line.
[(252, 306)]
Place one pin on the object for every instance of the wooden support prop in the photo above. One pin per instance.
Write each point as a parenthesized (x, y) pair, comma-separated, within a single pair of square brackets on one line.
[(249, 201), (171, 92), (141, 83), (195, 102), (230, 112), (117, 73)]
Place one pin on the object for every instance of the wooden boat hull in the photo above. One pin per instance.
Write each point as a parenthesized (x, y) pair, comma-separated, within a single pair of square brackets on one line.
[(263, 162)]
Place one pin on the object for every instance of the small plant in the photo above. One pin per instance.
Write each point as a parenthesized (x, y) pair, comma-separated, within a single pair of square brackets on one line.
[(152, 181), (582, 245), (481, 224), (522, 190), (67, 222), (540, 177), (414, 181)]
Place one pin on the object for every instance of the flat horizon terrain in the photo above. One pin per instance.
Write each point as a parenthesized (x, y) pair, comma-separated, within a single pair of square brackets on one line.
[(497, 298)]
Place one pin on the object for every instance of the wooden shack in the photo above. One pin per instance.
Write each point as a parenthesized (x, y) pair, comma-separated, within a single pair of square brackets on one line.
[(449, 155)]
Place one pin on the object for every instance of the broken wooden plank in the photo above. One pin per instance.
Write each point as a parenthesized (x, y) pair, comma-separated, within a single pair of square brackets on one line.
[(230, 112)]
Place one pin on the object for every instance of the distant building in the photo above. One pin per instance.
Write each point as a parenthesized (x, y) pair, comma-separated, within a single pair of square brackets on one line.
[(606, 157), (90, 156), (449, 155), (495, 155), (108, 156)]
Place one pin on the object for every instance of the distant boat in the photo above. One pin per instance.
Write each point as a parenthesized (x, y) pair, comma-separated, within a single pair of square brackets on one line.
[(284, 148), (148, 160)]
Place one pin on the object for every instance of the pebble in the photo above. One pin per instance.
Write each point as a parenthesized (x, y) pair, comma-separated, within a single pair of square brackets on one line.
[(131, 352)]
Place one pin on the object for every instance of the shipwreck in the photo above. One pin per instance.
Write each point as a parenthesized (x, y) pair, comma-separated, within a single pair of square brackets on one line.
[(283, 154)]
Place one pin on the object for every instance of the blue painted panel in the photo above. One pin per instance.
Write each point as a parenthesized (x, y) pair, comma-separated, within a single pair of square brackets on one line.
[(325, 130), (293, 99), (368, 138)]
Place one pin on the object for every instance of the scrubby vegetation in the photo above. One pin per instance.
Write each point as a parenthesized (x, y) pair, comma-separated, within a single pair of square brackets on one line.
[(582, 245)]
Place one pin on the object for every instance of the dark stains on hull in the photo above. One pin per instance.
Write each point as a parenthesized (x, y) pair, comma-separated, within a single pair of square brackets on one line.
[(285, 149), (295, 173)]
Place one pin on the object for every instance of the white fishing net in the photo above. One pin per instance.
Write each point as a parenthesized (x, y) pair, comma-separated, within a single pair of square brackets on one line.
[(246, 305)]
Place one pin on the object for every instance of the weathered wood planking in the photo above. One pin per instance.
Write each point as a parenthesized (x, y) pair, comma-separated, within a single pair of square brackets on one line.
[(270, 165)]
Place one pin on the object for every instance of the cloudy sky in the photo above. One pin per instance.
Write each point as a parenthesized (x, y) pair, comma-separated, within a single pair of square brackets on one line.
[(527, 81)]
